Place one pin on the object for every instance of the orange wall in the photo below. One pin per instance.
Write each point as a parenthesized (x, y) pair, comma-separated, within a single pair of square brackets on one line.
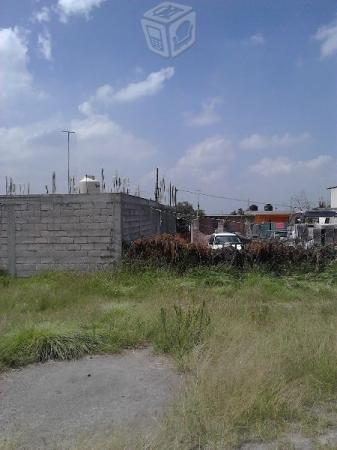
[(278, 218)]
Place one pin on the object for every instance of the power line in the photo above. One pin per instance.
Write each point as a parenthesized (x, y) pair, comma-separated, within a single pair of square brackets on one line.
[(222, 197)]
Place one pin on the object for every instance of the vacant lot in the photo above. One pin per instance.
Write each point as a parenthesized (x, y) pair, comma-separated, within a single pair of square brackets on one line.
[(259, 351)]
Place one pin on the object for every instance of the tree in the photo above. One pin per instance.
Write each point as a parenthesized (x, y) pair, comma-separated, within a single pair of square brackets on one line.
[(268, 207), (322, 203), (185, 214), (185, 208), (253, 208), (300, 201)]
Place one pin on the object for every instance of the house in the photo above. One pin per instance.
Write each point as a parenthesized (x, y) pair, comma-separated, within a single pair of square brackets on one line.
[(205, 226), (268, 224), (318, 225), (333, 196)]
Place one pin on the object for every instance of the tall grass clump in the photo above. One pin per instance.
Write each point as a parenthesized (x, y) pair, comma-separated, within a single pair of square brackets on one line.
[(112, 332), (36, 345), (180, 329)]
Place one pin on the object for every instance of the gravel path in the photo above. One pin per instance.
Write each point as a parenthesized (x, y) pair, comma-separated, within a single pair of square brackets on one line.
[(50, 405)]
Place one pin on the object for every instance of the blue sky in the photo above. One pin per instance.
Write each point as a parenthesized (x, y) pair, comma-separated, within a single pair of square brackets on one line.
[(249, 111)]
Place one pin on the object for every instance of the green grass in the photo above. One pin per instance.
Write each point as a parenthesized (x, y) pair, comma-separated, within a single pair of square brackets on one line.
[(259, 351)]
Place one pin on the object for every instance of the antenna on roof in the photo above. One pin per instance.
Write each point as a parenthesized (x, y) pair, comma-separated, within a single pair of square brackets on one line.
[(69, 133)]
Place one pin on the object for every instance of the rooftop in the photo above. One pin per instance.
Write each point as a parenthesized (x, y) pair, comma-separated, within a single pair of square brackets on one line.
[(277, 212)]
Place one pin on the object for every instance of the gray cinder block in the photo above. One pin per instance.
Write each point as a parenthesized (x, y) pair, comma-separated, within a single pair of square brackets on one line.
[(74, 232)]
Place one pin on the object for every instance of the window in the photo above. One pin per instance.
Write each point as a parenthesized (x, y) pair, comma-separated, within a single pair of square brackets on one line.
[(221, 240)]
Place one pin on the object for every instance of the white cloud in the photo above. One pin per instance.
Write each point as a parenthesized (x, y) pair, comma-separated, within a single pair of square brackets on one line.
[(316, 163), (257, 39), (150, 86), (215, 149), (207, 116), (99, 135), (45, 45), (270, 166), (31, 152), (283, 165), (42, 15), (15, 77), (261, 142), (19, 143), (204, 163), (65, 9), (107, 95), (86, 108), (68, 8), (327, 35)]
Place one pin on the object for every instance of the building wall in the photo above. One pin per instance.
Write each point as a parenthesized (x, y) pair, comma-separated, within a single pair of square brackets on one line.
[(204, 227), (71, 232), (333, 194), (274, 218), (142, 218)]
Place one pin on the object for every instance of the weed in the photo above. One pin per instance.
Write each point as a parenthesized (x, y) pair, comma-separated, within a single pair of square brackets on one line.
[(181, 329), (260, 349)]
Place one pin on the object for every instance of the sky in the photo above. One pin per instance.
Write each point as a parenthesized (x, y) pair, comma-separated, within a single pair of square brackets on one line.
[(248, 112)]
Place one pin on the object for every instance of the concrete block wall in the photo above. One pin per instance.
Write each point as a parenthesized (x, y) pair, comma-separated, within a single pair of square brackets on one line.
[(4, 238), (143, 218), (76, 232), (59, 232)]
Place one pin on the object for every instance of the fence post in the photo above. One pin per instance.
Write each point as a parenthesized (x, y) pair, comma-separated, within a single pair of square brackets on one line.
[(195, 231)]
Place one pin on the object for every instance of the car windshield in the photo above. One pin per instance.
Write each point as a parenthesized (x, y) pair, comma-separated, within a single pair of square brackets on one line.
[(281, 234), (220, 240)]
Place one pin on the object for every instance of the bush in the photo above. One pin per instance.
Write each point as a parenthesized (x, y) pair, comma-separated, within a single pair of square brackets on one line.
[(275, 256)]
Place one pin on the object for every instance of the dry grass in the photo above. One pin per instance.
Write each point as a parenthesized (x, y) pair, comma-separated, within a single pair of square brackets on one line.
[(272, 255), (264, 361)]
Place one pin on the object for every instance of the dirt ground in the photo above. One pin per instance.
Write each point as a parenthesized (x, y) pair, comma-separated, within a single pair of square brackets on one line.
[(81, 404), (56, 404)]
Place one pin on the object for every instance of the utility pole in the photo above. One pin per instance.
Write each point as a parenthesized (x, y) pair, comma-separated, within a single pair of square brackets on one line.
[(54, 183), (156, 191), (198, 206), (69, 133)]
